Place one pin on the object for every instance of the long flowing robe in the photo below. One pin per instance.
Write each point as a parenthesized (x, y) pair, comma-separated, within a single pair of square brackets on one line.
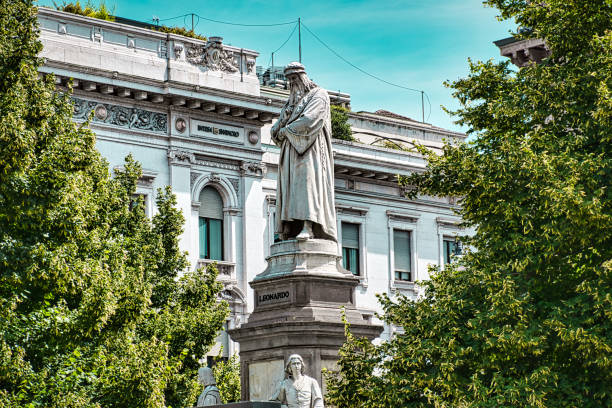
[(307, 394), (305, 187)]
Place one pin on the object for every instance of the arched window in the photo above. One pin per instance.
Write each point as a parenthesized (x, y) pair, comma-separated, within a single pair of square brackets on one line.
[(211, 224)]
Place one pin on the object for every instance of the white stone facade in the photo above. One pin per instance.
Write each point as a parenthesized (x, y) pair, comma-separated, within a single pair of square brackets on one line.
[(193, 114)]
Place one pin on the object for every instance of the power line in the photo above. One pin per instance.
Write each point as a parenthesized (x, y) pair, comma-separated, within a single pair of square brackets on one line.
[(428, 102), (372, 75), (225, 22), (286, 41), (248, 25), (355, 66)]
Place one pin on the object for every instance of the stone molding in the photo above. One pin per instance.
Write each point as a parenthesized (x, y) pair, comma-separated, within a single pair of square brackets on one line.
[(121, 116), (351, 210), (178, 157), (400, 216), (223, 185), (251, 168)]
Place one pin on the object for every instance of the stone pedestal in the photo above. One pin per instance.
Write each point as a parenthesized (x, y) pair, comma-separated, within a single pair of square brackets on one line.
[(298, 301)]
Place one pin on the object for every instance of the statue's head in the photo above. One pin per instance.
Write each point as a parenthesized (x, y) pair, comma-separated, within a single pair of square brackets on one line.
[(299, 83), (294, 360), (206, 377)]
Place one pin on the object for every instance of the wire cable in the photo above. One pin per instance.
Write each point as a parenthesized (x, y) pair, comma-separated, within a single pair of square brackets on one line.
[(355, 66), (224, 22), (287, 40), (248, 25), (429, 102)]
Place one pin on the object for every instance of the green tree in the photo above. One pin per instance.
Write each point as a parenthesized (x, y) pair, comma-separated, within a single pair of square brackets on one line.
[(95, 310), (523, 319), (227, 375), (339, 121)]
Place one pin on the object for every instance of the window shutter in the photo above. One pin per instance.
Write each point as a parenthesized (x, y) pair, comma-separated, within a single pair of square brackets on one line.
[(211, 204), (401, 249), (350, 235), (216, 240)]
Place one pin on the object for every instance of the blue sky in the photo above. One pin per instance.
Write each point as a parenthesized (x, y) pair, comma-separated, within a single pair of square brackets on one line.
[(416, 44)]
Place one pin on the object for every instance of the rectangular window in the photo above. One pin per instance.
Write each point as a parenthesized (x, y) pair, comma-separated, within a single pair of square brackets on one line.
[(350, 247), (451, 247), (211, 239), (402, 256)]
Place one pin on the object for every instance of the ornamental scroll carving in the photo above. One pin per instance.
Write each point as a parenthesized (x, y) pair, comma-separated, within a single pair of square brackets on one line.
[(213, 56), (253, 168), (180, 157), (131, 118)]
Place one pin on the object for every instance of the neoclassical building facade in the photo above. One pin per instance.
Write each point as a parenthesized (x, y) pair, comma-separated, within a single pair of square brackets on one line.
[(194, 114)]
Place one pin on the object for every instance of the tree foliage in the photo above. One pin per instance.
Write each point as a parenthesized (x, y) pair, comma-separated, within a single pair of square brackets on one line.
[(227, 375), (340, 126), (102, 12), (94, 308), (90, 10), (524, 319)]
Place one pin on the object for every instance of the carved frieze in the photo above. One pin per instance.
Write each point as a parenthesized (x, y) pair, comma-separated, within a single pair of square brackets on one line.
[(131, 118), (217, 164), (213, 56)]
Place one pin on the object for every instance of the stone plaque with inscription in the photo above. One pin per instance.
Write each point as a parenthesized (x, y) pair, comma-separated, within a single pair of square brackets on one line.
[(273, 296), (212, 130)]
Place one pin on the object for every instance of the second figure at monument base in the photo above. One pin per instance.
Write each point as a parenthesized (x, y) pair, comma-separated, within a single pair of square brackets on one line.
[(298, 390)]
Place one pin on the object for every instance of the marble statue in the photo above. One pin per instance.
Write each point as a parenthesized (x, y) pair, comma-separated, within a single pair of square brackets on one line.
[(210, 395), (305, 189), (298, 390)]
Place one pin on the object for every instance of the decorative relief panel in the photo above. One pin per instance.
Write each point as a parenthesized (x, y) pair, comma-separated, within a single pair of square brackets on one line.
[(193, 178), (234, 182), (131, 118), (213, 56)]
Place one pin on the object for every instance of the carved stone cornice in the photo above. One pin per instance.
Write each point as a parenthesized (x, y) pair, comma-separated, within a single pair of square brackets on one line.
[(178, 157), (400, 216), (351, 210), (449, 223), (251, 168), (147, 178)]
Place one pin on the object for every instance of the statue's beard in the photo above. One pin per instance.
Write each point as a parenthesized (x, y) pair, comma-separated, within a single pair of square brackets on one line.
[(297, 92)]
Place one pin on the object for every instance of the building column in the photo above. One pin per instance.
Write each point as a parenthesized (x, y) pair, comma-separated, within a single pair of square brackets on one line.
[(179, 162), (253, 225)]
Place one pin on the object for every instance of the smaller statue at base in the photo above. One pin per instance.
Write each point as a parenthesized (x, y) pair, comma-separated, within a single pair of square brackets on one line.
[(210, 395), (298, 390)]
